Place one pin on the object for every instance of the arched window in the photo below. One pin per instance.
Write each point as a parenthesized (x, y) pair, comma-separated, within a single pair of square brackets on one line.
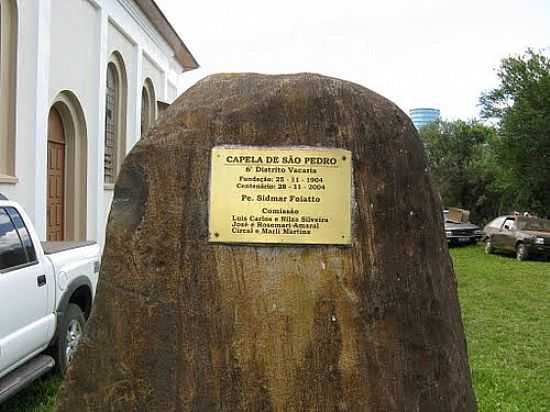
[(111, 123), (115, 118), (8, 71), (148, 106), (144, 111)]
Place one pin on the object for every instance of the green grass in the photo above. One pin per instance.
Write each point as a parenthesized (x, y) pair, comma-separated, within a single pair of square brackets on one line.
[(506, 312), (39, 397)]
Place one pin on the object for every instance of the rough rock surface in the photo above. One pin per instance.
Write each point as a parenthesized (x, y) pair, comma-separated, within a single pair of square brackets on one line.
[(184, 325)]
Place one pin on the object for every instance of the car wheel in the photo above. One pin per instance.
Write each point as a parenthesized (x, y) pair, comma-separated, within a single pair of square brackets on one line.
[(69, 337), (521, 252), (489, 249)]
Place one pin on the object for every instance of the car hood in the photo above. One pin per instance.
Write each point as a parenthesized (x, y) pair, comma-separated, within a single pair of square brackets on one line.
[(536, 233), (460, 226)]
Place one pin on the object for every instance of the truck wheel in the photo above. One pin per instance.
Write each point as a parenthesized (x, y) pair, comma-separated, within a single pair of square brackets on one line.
[(69, 337), (521, 252), (489, 249)]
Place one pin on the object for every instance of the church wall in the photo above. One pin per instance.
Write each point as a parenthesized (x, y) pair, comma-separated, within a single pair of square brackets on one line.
[(157, 75), (66, 47)]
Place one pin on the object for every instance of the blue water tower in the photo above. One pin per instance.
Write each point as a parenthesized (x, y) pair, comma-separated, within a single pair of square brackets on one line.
[(423, 116)]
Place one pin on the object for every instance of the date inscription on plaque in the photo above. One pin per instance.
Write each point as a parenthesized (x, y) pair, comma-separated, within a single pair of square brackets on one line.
[(294, 195)]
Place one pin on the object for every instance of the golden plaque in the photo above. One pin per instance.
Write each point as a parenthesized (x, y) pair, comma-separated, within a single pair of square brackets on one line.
[(294, 195)]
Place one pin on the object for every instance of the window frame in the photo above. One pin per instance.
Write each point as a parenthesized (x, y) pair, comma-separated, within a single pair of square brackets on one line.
[(9, 31), (28, 263), (513, 227), (12, 211), (119, 148), (115, 109), (151, 114), (495, 222), (144, 121)]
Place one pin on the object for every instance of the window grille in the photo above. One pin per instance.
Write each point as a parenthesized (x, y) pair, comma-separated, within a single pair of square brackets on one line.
[(111, 120), (144, 111)]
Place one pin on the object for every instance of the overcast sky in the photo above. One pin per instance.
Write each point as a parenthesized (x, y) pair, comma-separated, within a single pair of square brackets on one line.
[(435, 53)]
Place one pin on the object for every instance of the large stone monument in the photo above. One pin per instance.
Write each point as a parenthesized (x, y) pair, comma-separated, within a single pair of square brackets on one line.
[(274, 244)]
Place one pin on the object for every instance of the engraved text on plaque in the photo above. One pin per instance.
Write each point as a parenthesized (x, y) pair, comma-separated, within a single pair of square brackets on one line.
[(296, 195)]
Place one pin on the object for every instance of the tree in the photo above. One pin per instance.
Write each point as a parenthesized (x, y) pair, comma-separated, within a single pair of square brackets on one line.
[(521, 107), (462, 162)]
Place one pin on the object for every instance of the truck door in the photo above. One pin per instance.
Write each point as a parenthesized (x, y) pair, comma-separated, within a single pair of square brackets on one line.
[(509, 241), (504, 237), (23, 293)]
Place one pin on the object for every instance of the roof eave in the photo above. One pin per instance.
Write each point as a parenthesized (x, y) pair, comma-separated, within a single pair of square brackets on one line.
[(169, 34)]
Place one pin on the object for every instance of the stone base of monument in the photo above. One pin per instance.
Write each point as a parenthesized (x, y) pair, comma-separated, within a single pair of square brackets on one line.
[(275, 244)]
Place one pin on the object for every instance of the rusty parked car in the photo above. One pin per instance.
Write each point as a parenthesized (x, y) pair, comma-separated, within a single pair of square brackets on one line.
[(525, 236), (459, 229)]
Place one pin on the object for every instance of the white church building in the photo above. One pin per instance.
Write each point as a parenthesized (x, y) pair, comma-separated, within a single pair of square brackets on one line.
[(80, 81)]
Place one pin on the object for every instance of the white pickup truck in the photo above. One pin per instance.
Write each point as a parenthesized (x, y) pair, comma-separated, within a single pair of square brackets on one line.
[(46, 295)]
